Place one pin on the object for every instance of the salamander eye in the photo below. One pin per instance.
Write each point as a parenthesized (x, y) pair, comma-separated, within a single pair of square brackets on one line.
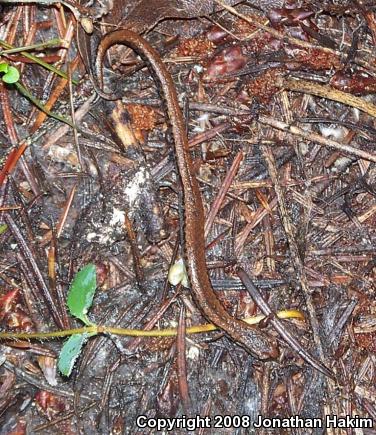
[(178, 274)]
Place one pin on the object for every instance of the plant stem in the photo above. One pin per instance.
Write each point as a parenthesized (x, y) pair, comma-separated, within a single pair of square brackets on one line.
[(40, 106), (45, 335), (38, 61), (94, 329), (55, 42)]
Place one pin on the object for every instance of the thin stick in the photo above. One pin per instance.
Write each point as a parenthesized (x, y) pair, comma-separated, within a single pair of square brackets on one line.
[(294, 249), (222, 191), (326, 91), (181, 363), (279, 326), (314, 137)]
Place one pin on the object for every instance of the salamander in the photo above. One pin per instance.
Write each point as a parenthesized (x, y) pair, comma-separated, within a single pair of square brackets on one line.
[(255, 341)]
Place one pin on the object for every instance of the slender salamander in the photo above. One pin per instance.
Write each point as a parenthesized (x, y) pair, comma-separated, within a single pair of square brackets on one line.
[(252, 339)]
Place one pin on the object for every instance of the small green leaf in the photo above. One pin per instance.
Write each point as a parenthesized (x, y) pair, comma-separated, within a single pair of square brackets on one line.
[(81, 292), (4, 67), (3, 228), (11, 76), (70, 352)]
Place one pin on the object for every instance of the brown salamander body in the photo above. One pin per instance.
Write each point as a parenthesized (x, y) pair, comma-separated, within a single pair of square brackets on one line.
[(252, 339)]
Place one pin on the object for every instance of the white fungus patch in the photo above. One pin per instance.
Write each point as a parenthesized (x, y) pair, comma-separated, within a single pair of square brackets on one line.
[(91, 236), (118, 217), (334, 132), (193, 353), (198, 129), (341, 163), (107, 232), (134, 187), (304, 148), (356, 114), (204, 117), (24, 185), (64, 155)]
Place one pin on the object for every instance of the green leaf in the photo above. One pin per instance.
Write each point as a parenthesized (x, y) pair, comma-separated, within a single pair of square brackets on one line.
[(81, 292), (3, 228), (4, 67), (11, 76), (70, 352)]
